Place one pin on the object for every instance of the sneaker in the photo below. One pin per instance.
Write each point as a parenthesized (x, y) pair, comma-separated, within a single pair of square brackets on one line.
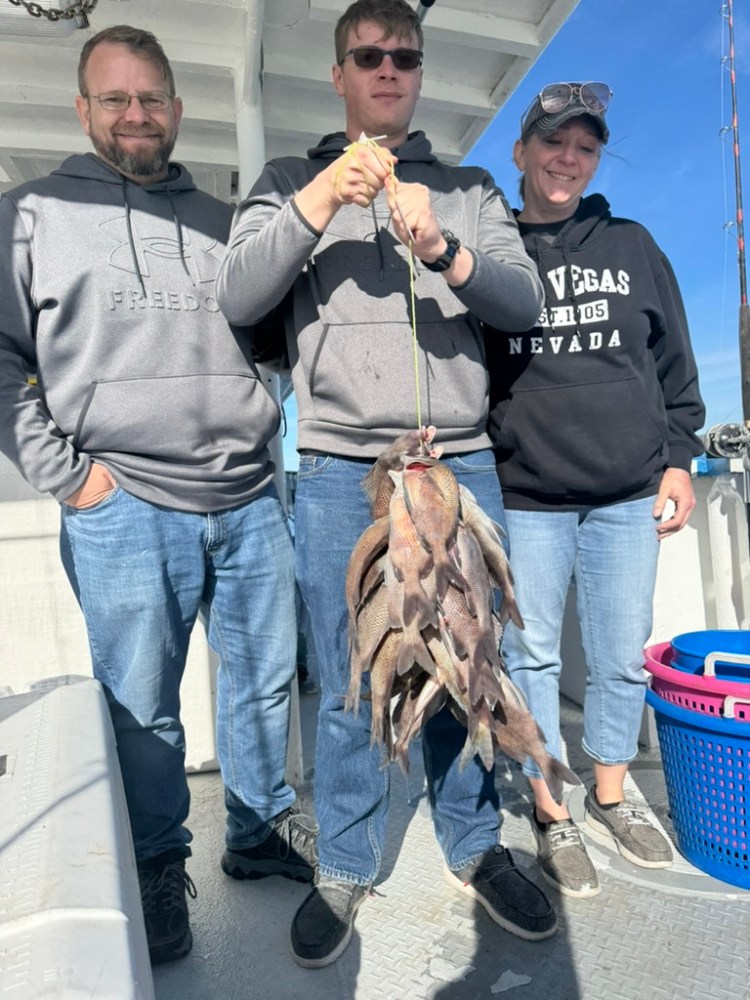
[(289, 850), (322, 926), (508, 896), (165, 909), (563, 859), (632, 832)]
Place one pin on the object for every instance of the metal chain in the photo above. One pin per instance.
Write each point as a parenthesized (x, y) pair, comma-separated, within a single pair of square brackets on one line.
[(80, 8)]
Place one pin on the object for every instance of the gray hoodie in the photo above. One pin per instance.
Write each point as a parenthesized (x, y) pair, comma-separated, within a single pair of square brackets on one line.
[(112, 345), (341, 301)]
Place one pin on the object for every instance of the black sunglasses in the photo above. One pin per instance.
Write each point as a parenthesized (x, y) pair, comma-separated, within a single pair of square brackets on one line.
[(371, 57)]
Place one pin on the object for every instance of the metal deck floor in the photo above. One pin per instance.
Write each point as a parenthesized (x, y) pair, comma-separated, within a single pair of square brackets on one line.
[(660, 935)]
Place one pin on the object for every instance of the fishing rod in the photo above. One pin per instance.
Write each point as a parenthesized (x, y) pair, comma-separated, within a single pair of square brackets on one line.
[(733, 440), (423, 7)]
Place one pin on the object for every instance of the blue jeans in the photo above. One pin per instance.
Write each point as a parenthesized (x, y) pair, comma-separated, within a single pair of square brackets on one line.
[(142, 574), (351, 784), (611, 553)]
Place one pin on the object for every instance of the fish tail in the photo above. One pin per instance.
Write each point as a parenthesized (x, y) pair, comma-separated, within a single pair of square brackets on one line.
[(447, 573), (484, 685), (417, 607), (400, 753), (377, 729), (509, 612), (351, 704), (555, 773), (478, 744), (413, 650)]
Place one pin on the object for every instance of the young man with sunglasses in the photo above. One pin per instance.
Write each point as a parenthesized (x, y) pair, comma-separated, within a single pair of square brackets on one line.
[(147, 420), (319, 257)]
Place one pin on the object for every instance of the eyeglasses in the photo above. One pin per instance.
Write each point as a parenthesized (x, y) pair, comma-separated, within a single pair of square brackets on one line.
[(118, 100), (371, 57), (557, 96)]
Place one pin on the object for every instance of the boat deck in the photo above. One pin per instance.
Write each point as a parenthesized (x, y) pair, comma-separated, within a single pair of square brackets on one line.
[(658, 934)]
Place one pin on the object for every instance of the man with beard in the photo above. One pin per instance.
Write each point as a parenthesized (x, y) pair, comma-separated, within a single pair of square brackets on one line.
[(126, 395)]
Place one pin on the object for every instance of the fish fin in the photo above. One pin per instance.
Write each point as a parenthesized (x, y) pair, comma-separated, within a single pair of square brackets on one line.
[(512, 691), (351, 703), (499, 569), (370, 546), (371, 581), (423, 700), (447, 573), (453, 643)]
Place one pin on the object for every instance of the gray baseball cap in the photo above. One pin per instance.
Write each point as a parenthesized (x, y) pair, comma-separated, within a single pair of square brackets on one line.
[(557, 103)]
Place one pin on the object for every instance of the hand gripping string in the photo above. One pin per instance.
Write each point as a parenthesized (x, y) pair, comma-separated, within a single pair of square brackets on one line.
[(349, 154)]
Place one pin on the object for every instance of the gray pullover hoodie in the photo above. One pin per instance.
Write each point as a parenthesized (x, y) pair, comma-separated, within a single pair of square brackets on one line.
[(112, 345), (338, 302)]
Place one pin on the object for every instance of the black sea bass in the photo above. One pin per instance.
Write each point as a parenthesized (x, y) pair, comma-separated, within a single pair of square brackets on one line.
[(421, 613)]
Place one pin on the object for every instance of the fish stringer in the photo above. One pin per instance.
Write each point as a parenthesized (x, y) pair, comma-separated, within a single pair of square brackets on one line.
[(365, 140)]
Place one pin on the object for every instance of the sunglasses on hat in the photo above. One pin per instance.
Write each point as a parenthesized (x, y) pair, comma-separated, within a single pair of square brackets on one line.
[(371, 57), (555, 97)]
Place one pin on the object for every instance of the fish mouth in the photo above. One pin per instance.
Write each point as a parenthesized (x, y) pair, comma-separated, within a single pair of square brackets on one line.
[(417, 463)]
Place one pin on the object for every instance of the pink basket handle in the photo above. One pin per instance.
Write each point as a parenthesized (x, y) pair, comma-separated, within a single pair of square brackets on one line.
[(730, 705), (709, 668)]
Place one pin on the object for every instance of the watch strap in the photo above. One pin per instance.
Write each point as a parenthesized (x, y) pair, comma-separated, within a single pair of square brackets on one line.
[(445, 260)]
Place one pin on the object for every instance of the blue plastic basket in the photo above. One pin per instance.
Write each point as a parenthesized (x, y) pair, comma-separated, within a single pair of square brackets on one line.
[(707, 770), (723, 653)]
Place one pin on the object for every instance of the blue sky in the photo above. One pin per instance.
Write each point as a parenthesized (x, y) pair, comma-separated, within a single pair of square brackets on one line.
[(667, 166)]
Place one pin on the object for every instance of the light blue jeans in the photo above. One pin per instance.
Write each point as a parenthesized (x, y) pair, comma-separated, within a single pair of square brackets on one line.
[(142, 574), (351, 783), (611, 554)]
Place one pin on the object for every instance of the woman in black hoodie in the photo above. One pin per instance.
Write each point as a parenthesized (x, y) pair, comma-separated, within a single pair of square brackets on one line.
[(594, 420)]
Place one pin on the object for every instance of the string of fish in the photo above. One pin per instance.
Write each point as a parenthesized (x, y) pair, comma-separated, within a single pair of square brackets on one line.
[(372, 143)]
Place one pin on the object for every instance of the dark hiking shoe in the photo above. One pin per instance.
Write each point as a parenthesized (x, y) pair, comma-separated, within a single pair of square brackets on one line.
[(289, 850), (509, 897), (165, 909), (630, 830), (563, 859), (322, 926)]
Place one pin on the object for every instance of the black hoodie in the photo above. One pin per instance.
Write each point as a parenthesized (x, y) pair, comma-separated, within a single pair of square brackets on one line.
[(602, 395)]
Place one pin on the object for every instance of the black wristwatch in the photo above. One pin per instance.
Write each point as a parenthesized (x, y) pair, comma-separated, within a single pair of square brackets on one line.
[(446, 259)]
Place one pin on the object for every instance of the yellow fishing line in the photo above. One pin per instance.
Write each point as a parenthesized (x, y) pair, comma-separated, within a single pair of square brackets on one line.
[(350, 154)]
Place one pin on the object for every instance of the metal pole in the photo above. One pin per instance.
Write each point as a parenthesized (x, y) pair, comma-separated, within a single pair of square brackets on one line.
[(744, 317), (423, 7)]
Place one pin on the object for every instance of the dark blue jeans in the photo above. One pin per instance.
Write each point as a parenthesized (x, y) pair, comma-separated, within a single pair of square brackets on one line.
[(351, 785), (142, 574)]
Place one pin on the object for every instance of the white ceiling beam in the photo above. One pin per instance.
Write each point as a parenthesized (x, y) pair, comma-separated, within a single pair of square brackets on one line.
[(16, 140), (472, 29), (557, 14)]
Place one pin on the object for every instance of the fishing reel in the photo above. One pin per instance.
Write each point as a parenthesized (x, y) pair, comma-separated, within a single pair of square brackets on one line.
[(727, 441)]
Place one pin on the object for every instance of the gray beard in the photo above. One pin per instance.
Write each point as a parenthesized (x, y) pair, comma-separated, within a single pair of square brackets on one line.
[(145, 165)]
